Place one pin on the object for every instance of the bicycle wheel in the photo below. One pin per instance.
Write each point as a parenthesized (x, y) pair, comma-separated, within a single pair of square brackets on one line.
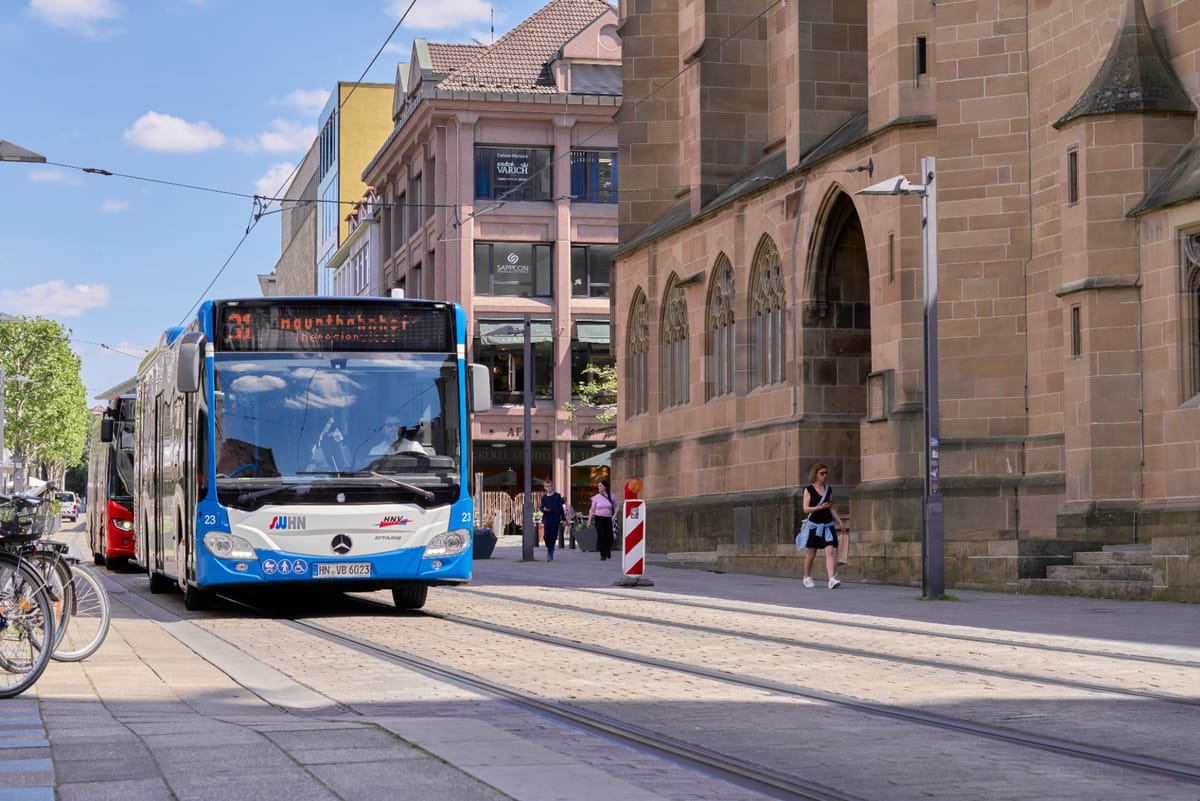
[(26, 626), (91, 612), (57, 572)]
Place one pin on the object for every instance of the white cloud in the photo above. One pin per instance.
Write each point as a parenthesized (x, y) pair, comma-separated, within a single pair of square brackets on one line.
[(309, 101), (114, 205), (55, 299), (168, 134), (273, 183), (442, 14), (81, 16), (287, 137)]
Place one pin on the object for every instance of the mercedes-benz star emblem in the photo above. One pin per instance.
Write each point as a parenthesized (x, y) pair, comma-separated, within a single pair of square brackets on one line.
[(341, 544)]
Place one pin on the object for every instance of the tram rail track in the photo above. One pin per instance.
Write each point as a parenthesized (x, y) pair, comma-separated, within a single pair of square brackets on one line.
[(1168, 768), (840, 650), (735, 769), (773, 779)]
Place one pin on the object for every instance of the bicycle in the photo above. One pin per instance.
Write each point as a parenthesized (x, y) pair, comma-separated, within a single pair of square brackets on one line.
[(82, 610), (27, 599)]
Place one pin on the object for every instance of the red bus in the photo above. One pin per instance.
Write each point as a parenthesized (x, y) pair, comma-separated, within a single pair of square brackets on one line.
[(110, 484)]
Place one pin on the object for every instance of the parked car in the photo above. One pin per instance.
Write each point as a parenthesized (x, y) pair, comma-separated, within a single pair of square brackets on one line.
[(68, 505)]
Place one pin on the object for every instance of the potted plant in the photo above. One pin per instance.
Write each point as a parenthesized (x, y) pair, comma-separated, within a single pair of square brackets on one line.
[(485, 537)]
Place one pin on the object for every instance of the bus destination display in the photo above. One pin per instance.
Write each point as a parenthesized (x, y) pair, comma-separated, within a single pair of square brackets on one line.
[(333, 326)]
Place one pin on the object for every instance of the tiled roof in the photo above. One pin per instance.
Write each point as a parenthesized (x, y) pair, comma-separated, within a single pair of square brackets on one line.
[(520, 60), (446, 58)]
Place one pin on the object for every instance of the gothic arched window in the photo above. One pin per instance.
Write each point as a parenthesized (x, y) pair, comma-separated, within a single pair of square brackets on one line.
[(1191, 312), (721, 327), (637, 349), (674, 339), (767, 305)]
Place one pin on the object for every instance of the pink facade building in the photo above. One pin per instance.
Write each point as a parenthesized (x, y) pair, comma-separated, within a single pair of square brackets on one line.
[(497, 189)]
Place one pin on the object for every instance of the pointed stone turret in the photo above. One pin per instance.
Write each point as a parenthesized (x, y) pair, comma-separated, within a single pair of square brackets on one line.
[(1135, 77)]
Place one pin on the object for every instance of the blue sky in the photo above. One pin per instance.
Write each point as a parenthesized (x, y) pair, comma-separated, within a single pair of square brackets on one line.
[(220, 95)]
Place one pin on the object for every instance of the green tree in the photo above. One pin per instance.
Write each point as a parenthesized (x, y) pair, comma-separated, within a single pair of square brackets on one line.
[(598, 391), (46, 416)]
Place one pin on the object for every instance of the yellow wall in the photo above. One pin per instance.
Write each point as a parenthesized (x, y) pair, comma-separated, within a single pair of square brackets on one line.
[(365, 124)]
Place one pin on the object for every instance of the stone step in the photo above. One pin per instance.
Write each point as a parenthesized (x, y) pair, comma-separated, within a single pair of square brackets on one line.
[(1117, 571), (1090, 588), (691, 560), (1106, 557)]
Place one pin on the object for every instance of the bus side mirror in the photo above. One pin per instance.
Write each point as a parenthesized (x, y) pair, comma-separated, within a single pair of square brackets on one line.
[(191, 349), (479, 390), (106, 429)]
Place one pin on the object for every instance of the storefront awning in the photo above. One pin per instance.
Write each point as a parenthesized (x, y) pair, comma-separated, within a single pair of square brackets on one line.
[(512, 332), (597, 332)]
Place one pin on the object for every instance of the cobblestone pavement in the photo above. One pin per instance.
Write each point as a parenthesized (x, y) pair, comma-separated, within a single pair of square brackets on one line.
[(177, 705)]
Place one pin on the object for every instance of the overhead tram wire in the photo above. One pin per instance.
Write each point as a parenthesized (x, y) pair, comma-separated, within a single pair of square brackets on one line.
[(262, 203), (341, 103), (259, 206)]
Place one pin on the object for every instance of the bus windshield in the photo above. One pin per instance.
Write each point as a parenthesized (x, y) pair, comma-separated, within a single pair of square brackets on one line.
[(353, 427), (120, 480)]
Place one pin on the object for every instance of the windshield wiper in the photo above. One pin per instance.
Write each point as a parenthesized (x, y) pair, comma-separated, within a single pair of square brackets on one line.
[(262, 493), (424, 493)]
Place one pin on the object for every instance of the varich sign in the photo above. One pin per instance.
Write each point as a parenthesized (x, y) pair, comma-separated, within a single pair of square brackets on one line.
[(512, 166)]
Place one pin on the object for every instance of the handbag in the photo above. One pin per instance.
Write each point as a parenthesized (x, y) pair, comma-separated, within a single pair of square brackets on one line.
[(586, 538), (843, 553)]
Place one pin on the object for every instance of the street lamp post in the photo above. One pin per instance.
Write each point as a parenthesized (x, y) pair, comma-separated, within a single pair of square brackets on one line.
[(933, 546), (11, 152), (529, 533)]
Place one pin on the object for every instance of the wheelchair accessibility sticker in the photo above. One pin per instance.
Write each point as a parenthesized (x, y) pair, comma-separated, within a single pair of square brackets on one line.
[(285, 567)]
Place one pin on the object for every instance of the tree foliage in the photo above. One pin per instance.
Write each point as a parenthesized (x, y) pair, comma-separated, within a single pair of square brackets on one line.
[(46, 416), (598, 391)]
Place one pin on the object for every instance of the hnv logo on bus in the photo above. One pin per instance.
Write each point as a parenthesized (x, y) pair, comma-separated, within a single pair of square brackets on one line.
[(341, 544), (292, 522)]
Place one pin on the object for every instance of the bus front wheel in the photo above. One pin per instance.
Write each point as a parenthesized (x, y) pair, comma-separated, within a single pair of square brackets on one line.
[(198, 600), (410, 596)]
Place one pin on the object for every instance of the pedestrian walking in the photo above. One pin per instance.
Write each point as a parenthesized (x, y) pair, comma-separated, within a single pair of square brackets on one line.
[(569, 526), (552, 518), (600, 515), (818, 532)]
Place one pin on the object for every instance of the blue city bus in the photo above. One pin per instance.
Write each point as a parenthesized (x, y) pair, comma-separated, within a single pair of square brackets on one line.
[(268, 448)]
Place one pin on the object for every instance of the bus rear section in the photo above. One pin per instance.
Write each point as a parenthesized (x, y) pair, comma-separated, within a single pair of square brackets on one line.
[(314, 441)]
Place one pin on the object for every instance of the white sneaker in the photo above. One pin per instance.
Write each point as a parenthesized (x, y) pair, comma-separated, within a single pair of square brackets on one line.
[(834, 583), (808, 582)]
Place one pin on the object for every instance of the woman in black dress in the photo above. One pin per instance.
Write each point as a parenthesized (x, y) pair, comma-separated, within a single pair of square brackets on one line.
[(818, 532)]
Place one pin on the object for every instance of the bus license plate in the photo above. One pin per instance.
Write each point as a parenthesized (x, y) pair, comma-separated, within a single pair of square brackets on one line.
[(342, 569)]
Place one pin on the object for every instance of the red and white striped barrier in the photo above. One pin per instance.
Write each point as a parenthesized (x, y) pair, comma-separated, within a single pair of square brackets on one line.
[(633, 538)]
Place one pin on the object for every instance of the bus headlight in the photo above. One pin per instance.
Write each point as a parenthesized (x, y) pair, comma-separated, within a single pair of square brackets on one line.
[(121, 525), (224, 545), (448, 543)]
